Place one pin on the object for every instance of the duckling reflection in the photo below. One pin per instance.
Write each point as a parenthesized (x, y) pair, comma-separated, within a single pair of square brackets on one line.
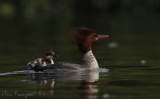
[(41, 80), (87, 89), (45, 85)]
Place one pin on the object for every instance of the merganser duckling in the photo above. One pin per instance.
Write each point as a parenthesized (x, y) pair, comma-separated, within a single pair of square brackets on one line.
[(84, 38), (41, 62)]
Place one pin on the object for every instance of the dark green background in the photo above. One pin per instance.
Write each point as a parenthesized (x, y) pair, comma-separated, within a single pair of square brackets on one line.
[(29, 28)]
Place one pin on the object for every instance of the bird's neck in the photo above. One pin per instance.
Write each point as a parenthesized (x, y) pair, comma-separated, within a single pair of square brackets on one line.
[(88, 60), (48, 60), (84, 48)]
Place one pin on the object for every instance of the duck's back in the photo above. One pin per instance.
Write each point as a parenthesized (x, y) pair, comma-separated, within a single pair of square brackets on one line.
[(60, 65), (64, 65)]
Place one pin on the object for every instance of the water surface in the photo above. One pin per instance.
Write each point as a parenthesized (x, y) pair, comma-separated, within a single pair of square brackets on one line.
[(131, 54)]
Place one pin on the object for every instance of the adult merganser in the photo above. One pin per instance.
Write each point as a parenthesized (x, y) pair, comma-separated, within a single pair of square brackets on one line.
[(41, 62), (84, 38)]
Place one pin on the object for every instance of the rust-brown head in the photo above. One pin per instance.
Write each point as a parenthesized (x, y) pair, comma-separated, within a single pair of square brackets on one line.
[(84, 37), (50, 55)]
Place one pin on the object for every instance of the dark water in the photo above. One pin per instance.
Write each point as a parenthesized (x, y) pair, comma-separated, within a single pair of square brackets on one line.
[(132, 55)]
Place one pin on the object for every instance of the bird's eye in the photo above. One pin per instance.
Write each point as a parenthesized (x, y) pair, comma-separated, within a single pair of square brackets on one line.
[(96, 35)]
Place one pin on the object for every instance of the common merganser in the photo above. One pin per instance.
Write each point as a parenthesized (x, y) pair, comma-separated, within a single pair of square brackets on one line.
[(83, 37), (41, 62)]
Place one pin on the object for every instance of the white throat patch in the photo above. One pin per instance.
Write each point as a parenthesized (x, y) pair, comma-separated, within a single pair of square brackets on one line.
[(88, 60), (49, 57), (96, 39)]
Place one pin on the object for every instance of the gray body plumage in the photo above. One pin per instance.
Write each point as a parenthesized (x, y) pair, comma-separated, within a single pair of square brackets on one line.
[(88, 61)]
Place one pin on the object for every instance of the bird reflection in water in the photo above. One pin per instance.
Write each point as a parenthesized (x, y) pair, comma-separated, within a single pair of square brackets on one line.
[(86, 90)]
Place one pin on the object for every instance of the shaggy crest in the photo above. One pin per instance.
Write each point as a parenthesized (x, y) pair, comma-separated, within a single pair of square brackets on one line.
[(81, 35)]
